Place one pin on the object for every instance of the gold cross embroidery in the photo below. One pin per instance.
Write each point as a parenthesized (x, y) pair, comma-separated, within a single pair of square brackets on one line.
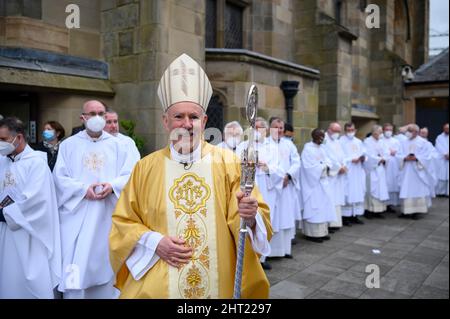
[(184, 72)]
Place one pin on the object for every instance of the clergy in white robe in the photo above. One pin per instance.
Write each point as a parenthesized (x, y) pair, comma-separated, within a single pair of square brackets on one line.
[(415, 178), (434, 163), (355, 184), (91, 170), (377, 192), (30, 251), (334, 152), (401, 134), (288, 210), (318, 200), (442, 164), (392, 166), (232, 136), (269, 178), (112, 127)]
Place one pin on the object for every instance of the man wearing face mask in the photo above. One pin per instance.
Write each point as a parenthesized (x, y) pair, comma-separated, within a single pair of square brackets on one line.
[(232, 136), (392, 166), (335, 153), (377, 191), (177, 223), (415, 175), (288, 209), (355, 184), (318, 200), (90, 172), (30, 251), (442, 164)]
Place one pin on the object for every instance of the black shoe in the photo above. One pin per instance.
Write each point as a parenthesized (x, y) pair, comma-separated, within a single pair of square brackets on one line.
[(346, 221), (314, 239), (266, 266), (404, 216), (288, 256), (330, 231), (416, 216), (356, 220), (325, 237), (390, 209), (379, 216), (368, 215)]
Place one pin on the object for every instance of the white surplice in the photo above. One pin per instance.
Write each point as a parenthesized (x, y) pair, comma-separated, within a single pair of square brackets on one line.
[(377, 192), (30, 251), (318, 199), (442, 164), (415, 177), (355, 185), (392, 170), (335, 154), (132, 150), (85, 224)]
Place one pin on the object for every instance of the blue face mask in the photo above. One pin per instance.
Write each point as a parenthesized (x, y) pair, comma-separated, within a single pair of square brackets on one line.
[(48, 135)]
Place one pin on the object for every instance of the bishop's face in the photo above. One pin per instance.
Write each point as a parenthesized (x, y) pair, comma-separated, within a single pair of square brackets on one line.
[(185, 123)]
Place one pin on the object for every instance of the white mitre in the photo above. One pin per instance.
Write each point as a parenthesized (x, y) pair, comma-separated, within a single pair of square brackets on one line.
[(184, 81)]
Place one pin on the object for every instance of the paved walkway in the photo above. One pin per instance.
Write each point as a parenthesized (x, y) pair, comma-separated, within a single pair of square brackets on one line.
[(412, 258)]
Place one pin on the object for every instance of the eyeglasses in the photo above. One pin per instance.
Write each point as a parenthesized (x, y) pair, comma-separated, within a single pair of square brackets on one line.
[(102, 114)]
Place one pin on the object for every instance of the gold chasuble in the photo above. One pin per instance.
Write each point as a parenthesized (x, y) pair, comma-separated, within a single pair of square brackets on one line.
[(198, 204)]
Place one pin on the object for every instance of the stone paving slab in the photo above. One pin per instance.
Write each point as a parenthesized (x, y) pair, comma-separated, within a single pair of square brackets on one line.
[(412, 256)]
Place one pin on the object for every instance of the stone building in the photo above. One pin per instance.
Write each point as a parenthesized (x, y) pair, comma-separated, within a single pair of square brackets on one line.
[(426, 95), (314, 61)]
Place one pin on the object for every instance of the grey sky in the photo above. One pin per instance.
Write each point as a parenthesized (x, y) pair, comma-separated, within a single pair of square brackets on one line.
[(438, 23)]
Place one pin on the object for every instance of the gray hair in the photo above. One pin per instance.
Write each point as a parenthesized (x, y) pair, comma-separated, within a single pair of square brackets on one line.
[(262, 120), (376, 128), (414, 127), (233, 124)]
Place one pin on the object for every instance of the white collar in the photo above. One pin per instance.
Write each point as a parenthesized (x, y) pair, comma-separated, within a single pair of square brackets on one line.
[(186, 158)]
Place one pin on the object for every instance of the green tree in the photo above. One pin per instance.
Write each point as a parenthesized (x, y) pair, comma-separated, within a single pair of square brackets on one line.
[(128, 126)]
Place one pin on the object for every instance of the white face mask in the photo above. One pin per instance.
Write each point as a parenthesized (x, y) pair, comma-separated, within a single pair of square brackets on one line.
[(388, 134), (335, 136), (96, 124), (409, 135), (233, 142), (7, 148), (258, 136), (351, 135)]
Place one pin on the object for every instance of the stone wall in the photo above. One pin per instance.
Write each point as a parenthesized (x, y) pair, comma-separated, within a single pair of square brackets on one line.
[(232, 76), (140, 39), (40, 24)]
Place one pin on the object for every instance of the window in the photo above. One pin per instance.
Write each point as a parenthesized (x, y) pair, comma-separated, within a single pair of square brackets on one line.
[(211, 23), (233, 26), (225, 21)]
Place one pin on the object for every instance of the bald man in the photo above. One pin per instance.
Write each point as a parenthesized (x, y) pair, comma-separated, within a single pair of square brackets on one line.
[(90, 172)]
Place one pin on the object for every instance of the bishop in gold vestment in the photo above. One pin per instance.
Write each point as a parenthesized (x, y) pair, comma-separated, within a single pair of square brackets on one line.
[(191, 196)]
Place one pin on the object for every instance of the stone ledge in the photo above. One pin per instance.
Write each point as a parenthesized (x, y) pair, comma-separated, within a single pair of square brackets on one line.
[(246, 56), (55, 82), (44, 61)]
